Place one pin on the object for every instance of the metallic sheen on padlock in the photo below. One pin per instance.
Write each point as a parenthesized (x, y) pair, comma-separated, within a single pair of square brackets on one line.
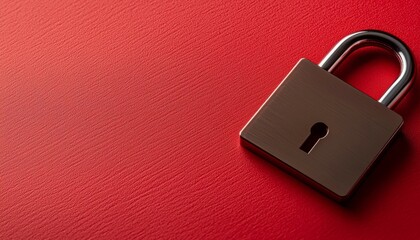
[(323, 130)]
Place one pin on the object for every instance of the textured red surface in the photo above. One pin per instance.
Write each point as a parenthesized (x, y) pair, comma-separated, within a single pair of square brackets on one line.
[(121, 120)]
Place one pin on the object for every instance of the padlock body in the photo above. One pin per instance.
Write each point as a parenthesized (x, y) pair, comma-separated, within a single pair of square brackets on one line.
[(359, 129)]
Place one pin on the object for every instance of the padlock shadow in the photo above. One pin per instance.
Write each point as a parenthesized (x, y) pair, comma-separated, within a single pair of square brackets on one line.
[(390, 166)]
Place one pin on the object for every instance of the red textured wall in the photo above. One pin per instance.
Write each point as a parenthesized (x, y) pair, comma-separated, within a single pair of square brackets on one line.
[(121, 120)]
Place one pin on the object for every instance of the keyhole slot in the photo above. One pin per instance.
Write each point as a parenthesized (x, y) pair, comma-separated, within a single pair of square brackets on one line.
[(318, 131)]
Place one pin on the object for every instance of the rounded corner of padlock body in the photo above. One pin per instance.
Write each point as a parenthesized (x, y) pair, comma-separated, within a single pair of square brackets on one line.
[(303, 63), (399, 119), (303, 60), (342, 199), (244, 135), (242, 139)]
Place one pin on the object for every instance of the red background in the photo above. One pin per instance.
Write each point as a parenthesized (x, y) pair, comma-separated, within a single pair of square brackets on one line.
[(121, 119)]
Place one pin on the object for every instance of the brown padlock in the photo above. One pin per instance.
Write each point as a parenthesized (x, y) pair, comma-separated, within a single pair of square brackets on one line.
[(322, 129)]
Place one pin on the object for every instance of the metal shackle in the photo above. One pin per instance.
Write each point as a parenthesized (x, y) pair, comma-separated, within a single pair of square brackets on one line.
[(382, 39)]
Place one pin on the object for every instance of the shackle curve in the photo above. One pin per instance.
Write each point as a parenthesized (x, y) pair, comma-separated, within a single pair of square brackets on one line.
[(376, 38)]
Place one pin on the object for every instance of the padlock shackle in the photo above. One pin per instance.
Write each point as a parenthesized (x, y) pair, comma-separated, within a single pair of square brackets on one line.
[(383, 39)]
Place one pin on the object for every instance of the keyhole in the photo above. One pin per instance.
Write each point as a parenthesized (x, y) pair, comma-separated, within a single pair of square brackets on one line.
[(318, 131)]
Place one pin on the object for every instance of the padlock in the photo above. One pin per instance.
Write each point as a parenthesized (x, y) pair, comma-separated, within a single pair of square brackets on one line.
[(323, 130)]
